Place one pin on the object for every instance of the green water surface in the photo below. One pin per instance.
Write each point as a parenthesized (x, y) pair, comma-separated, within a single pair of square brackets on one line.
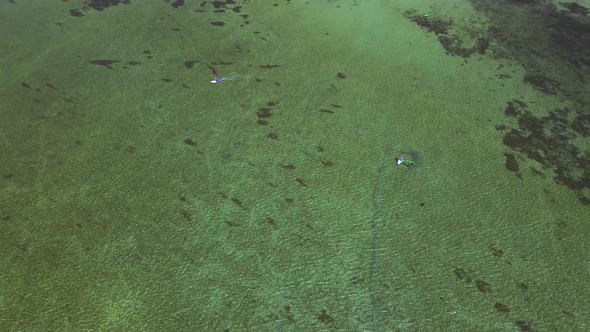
[(137, 196)]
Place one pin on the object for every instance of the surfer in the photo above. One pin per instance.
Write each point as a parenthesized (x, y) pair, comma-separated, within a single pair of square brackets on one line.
[(402, 161)]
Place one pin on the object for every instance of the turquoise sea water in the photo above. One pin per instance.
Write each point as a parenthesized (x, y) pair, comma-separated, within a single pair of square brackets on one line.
[(137, 196)]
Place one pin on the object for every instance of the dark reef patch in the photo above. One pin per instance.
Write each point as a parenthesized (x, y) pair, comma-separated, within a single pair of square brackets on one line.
[(222, 4), (101, 5), (483, 286), (542, 83), (269, 66), (501, 307), (523, 325), (105, 63), (575, 8), (221, 63), (497, 252), (301, 182), (511, 163), (438, 26), (189, 64), (463, 274), (549, 141), (325, 318), (189, 141), (263, 113), (327, 163), (511, 107), (237, 202), (551, 42), (177, 3), (76, 12), (452, 43)]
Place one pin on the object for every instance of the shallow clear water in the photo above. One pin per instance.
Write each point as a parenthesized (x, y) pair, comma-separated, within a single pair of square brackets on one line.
[(137, 196)]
